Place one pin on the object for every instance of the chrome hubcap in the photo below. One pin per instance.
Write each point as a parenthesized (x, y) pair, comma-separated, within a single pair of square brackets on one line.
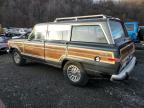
[(73, 73), (16, 57)]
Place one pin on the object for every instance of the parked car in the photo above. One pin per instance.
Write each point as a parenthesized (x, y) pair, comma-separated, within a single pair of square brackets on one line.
[(3, 43), (133, 29), (84, 46), (142, 31), (23, 36), (142, 27)]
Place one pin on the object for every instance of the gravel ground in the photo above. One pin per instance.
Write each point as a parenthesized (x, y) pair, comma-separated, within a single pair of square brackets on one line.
[(40, 86)]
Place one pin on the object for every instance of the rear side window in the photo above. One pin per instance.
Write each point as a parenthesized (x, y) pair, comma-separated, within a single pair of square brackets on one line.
[(59, 35), (55, 35), (92, 33), (59, 32), (117, 30)]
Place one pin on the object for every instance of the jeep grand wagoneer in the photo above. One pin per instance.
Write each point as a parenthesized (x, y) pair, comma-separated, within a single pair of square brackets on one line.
[(82, 46)]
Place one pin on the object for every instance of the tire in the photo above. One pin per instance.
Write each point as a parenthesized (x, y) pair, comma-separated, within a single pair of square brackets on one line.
[(127, 77), (17, 58), (75, 74)]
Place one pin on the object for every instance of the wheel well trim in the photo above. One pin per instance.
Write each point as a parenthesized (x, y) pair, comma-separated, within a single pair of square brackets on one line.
[(66, 60)]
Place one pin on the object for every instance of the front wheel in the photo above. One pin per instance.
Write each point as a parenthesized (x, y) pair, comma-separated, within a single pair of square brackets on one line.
[(17, 58), (75, 74)]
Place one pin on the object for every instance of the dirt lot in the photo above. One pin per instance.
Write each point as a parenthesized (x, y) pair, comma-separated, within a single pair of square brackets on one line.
[(41, 86)]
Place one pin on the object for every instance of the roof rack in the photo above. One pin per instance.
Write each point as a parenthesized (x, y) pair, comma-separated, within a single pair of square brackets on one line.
[(101, 16)]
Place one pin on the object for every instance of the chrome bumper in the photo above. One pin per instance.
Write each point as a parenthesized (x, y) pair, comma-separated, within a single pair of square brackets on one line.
[(126, 71)]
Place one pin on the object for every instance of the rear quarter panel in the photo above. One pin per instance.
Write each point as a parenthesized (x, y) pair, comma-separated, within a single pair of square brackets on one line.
[(86, 54)]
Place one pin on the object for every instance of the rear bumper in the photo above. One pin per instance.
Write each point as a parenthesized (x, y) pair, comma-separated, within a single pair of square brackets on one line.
[(126, 71)]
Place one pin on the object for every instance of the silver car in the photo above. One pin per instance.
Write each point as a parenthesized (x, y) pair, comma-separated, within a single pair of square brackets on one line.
[(3, 43)]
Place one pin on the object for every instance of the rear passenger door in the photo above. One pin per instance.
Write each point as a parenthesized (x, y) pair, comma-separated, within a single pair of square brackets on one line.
[(56, 43)]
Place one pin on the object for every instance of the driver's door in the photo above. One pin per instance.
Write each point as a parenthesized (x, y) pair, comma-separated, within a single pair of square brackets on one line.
[(34, 46)]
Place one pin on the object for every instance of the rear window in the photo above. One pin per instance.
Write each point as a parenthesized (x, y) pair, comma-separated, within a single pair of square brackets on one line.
[(129, 27), (88, 33), (117, 30)]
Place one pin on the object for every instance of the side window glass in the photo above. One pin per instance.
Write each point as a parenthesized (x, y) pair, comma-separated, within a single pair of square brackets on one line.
[(66, 35), (59, 32), (39, 33), (55, 35), (88, 33), (26, 36), (31, 36)]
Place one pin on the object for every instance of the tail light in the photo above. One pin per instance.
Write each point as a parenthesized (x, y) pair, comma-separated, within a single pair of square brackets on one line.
[(113, 59)]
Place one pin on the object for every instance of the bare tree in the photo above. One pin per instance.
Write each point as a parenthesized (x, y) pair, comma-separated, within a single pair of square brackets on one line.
[(26, 13)]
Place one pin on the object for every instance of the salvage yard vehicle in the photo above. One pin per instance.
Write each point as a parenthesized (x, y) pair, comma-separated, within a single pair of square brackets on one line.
[(3, 43), (22, 36), (141, 32), (133, 29), (83, 46)]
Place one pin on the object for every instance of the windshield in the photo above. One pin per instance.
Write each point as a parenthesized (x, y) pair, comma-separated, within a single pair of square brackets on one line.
[(117, 30), (129, 27)]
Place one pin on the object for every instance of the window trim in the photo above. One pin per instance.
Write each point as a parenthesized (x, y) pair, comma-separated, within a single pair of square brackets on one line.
[(100, 25), (108, 22)]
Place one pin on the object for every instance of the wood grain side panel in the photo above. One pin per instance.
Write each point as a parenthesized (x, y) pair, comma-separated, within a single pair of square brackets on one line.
[(91, 54), (37, 50), (53, 52), (20, 46), (17, 45), (127, 50)]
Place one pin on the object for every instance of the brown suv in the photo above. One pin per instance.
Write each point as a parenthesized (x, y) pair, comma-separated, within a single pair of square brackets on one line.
[(82, 46)]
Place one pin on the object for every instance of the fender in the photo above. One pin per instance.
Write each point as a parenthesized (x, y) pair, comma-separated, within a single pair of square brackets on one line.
[(14, 46)]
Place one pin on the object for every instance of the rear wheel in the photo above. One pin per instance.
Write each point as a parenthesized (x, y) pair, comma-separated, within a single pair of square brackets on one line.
[(75, 73), (17, 58)]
